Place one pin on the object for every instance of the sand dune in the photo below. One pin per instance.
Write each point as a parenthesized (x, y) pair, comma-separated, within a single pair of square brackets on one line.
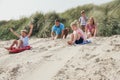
[(55, 60)]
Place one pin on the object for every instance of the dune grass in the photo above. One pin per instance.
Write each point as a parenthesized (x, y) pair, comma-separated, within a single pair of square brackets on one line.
[(107, 17)]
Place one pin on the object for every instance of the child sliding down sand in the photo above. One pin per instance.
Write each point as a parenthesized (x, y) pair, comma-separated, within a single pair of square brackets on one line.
[(23, 40)]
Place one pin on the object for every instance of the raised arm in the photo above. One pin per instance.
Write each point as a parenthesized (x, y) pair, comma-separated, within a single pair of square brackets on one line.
[(31, 28), (16, 34)]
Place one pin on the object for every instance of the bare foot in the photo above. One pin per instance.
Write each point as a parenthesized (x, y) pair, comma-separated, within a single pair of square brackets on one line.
[(8, 48), (69, 42)]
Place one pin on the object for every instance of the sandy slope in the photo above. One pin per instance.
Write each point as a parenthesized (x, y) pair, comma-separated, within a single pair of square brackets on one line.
[(97, 61), (55, 60)]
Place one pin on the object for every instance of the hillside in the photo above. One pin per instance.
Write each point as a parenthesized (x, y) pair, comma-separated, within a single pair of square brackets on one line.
[(55, 60), (106, 15)]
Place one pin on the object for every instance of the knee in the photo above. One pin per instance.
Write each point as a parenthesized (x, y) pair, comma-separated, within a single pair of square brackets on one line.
[(15, 41), (72, 35), (93, 30), (20, 41)]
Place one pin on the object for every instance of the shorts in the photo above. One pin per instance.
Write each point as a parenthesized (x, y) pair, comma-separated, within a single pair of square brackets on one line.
[(79, 41)]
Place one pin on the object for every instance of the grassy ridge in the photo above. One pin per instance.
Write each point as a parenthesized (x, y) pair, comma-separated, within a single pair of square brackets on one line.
[(106, 15)]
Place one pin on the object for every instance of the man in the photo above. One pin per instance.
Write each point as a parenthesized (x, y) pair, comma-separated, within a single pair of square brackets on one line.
[(58, 30), (83, 20)]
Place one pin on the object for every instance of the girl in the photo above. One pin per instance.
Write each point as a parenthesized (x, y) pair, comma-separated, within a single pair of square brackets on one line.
[(91, 28), (77, 36)]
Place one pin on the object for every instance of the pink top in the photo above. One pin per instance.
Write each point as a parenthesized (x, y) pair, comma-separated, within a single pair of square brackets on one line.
[(79, 31), (90, 27)]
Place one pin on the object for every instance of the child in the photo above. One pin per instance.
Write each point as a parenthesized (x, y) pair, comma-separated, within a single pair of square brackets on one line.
[(91, 28), (83, 20), (23, 38), (77, 36)]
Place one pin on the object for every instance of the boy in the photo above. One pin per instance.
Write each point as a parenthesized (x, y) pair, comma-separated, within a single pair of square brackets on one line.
[(23, 38), (83, 20)]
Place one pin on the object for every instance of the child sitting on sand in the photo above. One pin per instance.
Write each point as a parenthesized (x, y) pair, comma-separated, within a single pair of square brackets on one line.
[(77, 36), (23, 38), (91, 28)]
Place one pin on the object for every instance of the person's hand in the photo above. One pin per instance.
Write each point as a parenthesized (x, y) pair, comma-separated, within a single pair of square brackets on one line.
[(11, 29), (31, 26)]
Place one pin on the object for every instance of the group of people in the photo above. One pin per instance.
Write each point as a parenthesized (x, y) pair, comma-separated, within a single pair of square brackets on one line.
[(80, 33), (82, 29)]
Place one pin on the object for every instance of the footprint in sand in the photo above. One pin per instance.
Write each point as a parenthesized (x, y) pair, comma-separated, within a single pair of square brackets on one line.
[(118, 72), (1, 70), (39, 49), (88, 56), (48, 56), (14, 72), (49, 46), (97, 60), (82, 69), (108, 50), (116, 47)]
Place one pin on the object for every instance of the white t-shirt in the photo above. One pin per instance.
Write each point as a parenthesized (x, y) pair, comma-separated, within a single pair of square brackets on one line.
[(25, 40), (83, 20)]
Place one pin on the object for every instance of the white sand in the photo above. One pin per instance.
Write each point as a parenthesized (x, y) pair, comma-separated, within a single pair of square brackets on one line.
[(55, 60)]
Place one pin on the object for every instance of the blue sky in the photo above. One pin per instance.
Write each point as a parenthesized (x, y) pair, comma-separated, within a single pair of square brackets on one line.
[(14, 9)]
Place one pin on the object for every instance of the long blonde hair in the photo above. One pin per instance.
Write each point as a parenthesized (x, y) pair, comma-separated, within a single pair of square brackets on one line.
[(75, 22)]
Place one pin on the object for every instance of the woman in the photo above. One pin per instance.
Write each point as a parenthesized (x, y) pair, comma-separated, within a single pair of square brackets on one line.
[(91, 28)]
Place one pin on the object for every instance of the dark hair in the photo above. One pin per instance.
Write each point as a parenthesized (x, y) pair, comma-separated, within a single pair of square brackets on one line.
[(57, 20)]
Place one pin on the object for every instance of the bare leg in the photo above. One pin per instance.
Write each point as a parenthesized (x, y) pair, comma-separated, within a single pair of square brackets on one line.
[(71, 39), (20, 43), (92, 33), (74, 37), (14, 43), (88, 35)]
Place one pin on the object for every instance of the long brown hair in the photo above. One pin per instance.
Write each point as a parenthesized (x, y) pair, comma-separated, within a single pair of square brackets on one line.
[(92, 19)]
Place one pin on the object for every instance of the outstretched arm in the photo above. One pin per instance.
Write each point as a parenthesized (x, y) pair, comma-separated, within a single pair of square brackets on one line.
[(31, 28), (16, 34)]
